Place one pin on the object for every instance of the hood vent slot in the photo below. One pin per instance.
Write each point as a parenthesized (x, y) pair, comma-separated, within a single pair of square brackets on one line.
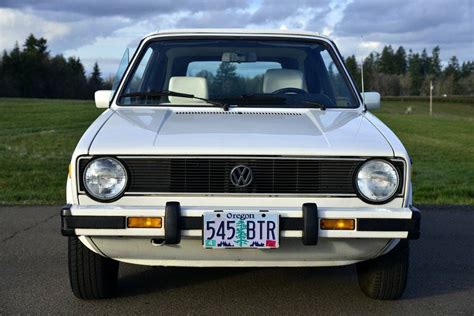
[(237, 113)]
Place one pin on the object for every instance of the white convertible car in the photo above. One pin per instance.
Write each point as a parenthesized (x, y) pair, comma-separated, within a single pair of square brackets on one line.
[(238, 148)]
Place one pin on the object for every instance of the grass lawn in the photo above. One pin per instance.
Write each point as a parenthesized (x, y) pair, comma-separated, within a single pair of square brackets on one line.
[(37, 138), (441, 146)]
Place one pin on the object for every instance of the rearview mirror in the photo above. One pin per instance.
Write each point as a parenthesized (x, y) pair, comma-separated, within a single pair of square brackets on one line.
[(372, 100), (102, 98), (239, 57)]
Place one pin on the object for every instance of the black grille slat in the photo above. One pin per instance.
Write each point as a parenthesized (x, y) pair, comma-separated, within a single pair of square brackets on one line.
[(212, 175)]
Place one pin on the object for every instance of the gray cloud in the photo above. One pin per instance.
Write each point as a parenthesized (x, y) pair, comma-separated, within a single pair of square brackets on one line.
[(269, 14), (83, 32), (91, 19), (231, 18), (413, 20), (126, 8), (414, 24), (271, 11)]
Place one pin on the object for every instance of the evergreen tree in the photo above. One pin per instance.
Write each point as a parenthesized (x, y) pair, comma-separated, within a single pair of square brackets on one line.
[(226, 81), (400, 61), (425, 61), (387, 61), (35, 68), (415, 70), (58, 86), (353, 67), (371, 65), (451, 75), (95, 81), (241, 233), (466, 83), (76, 78), (11, 68), (34, 45), (453, 68), (467, 69), (436, 61)]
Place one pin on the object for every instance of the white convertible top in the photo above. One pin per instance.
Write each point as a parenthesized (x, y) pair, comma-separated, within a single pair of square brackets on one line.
[(235, 31)]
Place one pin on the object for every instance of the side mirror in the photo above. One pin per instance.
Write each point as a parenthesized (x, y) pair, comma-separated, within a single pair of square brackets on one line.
[(372, 100), (102, 98)]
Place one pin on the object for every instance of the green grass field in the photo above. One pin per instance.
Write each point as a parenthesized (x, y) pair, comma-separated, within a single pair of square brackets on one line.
[(37, 138), (441, 146)]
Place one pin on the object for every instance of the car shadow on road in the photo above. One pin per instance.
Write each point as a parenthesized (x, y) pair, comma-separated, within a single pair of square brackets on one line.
[(238, 283), (140, 280), (331, 283)]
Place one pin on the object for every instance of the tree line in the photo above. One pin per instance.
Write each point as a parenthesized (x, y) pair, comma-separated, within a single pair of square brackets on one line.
[(31, 71), (396, 73)]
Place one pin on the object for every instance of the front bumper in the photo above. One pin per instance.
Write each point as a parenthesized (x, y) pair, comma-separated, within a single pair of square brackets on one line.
[(304, 223)]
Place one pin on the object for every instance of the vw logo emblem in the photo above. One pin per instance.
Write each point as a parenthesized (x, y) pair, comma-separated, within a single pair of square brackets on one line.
[(241, 176)]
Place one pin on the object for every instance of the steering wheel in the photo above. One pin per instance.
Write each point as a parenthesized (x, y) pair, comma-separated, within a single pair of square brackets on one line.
[(290, 90)]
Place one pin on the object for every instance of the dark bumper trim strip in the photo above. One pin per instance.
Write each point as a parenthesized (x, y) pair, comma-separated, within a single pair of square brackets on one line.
[(102, 222), (69, 223), (190, 222), (291, 223), (412, 225)]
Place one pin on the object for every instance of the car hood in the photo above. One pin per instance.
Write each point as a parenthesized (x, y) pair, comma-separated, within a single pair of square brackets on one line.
[(165, 131)]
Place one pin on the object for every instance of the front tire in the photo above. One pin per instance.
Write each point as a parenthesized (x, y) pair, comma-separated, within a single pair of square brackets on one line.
[(385, 277), (91, 275)]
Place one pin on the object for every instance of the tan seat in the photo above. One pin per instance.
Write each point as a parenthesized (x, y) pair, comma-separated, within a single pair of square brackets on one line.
[(276, 79), (196, 86)]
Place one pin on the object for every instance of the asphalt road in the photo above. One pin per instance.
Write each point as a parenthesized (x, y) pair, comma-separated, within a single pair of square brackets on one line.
[(33, 277)]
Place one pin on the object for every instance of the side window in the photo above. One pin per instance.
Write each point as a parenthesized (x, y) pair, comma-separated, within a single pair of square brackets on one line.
[(336, 80), (137, 79), (120, 71)]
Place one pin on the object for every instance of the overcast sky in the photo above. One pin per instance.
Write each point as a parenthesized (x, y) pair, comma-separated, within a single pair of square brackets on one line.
[(100, 30)]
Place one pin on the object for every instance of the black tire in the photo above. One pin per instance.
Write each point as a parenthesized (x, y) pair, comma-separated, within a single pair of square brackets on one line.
[(385, 277), (91, 275)]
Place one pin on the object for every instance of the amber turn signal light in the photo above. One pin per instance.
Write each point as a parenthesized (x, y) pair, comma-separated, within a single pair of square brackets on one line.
[(144, 222), (337, 224)]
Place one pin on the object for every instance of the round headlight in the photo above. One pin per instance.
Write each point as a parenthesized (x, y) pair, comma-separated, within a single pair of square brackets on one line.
[(105, 178), (377, 180)]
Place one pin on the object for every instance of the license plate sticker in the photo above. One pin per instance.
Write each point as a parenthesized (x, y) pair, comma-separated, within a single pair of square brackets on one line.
[(237, 229)]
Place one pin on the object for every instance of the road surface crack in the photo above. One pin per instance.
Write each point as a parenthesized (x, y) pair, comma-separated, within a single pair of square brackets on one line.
[(28, 228)]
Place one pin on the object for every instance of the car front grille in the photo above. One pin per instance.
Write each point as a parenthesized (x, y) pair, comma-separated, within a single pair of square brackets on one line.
[(212, 175)]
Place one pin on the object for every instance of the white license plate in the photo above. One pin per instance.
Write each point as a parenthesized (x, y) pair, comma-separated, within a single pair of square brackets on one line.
[(231, 229)]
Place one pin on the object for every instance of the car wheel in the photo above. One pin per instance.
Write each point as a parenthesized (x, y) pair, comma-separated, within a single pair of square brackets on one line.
[(91, 275), (385, 277)]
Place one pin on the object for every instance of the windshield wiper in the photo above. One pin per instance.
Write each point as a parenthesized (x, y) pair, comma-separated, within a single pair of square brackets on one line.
[(168, 93), (253, 99), (266, 97), (315, 103), (262, 97)]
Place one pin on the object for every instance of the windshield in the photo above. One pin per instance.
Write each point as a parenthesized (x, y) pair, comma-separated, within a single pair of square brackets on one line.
[(276, 73)]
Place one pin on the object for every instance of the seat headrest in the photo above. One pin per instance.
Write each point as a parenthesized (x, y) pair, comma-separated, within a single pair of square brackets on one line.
[(196, 86), (275, 79)]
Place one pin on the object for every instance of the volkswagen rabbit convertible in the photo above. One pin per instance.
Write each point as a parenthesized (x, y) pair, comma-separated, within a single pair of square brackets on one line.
[(238, 148)]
